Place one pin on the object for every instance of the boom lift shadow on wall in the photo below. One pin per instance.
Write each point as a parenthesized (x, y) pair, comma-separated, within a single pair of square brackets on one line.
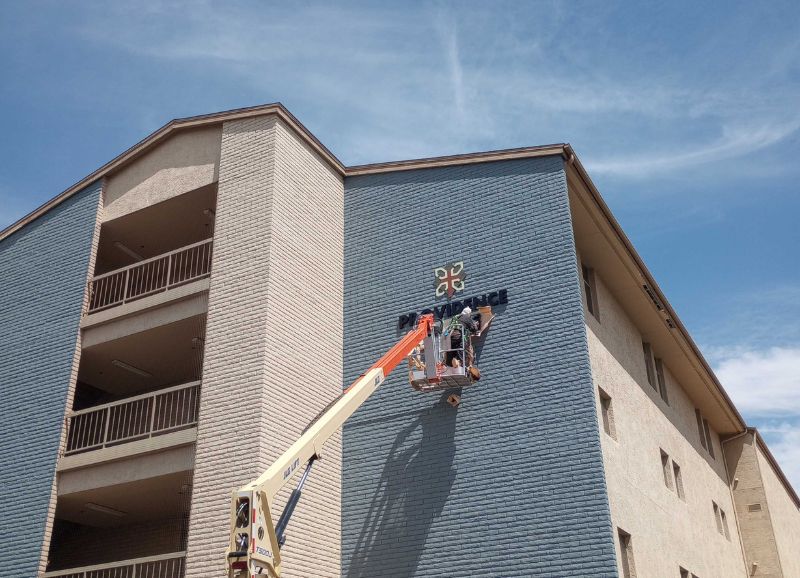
[(435, 363)]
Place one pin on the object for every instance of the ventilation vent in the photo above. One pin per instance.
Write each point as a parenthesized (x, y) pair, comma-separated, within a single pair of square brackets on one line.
[(753, 507), (653, 297)]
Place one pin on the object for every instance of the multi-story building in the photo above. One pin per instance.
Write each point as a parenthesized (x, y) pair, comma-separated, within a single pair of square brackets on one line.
[(172, 322)]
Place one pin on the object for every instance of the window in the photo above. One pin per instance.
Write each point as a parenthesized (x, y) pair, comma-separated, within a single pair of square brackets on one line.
[(724, 523), (717, 517), (626, 554), (685, 573), (607, 413), (665, 469), (648, 364), (590, 291), (707, 431), (700, 429), (662, 383), (676, 472)]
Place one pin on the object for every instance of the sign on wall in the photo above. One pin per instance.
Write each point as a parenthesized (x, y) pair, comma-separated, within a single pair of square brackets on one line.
[(449, 280)]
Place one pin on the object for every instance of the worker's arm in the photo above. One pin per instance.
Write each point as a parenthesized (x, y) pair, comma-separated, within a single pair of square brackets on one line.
[(254, 547)]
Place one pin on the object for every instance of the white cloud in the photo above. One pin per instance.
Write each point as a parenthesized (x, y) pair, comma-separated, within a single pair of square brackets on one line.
[(449, 34), (762, 382), (735, 142), (765, 386), (760, 318), (442, 79), (783, 440)]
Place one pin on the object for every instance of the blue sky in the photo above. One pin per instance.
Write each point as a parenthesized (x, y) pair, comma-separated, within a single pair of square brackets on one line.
[(686, 114)]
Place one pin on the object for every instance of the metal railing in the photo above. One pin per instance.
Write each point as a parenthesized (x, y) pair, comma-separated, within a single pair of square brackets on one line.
[(150, 276), (163, 566), (133, 418)]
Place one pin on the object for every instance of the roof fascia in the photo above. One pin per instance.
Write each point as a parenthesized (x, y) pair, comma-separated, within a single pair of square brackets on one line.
[(167, 130), (278, 109), (775, 467), (453, 160), (629, 253)]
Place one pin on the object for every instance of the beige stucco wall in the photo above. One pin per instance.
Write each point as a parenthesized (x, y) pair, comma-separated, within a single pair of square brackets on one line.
[(136, 468), (186, 161), (170, 308), (273, 351), (666, 532), (785, 518)]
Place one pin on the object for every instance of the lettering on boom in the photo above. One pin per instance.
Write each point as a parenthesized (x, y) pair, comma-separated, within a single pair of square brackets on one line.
[(446, 310)]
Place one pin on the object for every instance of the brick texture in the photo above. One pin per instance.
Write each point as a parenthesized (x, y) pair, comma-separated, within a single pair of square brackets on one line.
[(44, 557), (511, 483), (757, 528), (43, 270), (273, 354)]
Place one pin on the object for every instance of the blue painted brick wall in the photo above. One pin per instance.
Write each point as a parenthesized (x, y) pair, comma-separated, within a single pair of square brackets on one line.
[(511, 483), (43, 269)]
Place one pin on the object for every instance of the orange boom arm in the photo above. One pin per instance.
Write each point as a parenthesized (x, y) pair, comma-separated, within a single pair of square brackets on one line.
[(255, 542)]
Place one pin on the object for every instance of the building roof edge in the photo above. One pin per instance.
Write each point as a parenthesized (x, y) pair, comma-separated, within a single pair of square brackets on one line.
[(487, 156), (775, 466), (597, 198), (166, 130), (460, 159)]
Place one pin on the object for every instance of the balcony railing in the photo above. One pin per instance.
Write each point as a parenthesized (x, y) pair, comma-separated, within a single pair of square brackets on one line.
[(133, 418), (164, 566), (150, 276)]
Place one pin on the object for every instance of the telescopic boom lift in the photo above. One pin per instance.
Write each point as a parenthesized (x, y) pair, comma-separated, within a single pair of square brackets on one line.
[(255, 542)]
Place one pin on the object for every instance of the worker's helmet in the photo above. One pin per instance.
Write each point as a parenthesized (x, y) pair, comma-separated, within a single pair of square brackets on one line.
[(466, 311)]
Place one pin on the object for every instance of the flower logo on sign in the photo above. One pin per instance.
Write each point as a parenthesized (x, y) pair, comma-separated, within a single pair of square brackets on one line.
[(449, 279)]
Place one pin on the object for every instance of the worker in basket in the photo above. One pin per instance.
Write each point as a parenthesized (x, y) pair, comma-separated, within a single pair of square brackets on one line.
[(470, 321), (470, 325)]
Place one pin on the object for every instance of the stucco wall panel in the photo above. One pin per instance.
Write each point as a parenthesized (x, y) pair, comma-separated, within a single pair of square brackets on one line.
[(43, 268), (511, 482), (185, 162), (666, 532)]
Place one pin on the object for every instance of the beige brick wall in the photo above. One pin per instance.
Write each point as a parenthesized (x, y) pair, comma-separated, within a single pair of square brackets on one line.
[(785, 518), (304, 353), (666, 532), (274, 340), (758, 537)]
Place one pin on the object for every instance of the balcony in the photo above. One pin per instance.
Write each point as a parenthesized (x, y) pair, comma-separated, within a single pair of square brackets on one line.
[(135, 418), (150, 276), (129, 520), (163, 566)]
